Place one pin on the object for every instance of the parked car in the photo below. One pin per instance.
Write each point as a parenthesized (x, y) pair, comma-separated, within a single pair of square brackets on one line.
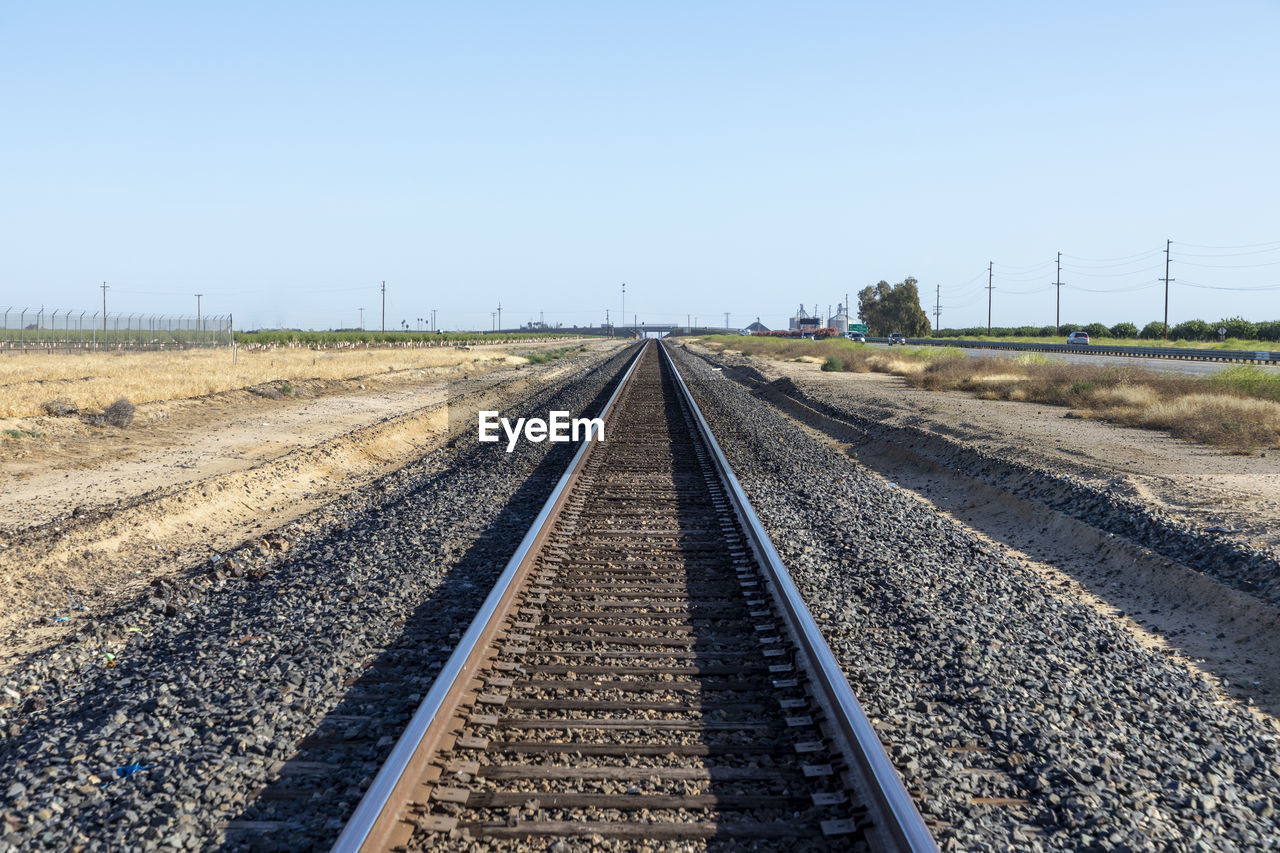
[(897, 338), (857, 336), (1078, 338), (806, 336)]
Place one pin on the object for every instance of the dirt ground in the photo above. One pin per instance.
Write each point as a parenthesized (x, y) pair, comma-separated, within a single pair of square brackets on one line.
[(88, 514)]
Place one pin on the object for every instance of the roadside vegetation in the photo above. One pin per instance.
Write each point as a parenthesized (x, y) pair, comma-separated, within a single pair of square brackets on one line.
[(1240, 334), (1237, 408)]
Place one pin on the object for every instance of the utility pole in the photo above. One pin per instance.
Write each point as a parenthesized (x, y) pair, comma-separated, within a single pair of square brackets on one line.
[(726, 321), (362, 319), (937, 309), (607, 324), (1057, 314), (688, 325), (198, 325), (384, 306), (623, 315), (1166, 280), (499, 316), (104, 308), (433, 319), (990, 287)]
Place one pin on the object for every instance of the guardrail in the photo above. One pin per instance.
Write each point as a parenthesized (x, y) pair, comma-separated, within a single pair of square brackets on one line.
[(1185, 353)]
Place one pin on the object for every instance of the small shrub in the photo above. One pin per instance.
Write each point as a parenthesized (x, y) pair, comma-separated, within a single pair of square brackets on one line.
[(1080, 388), (60, 408), (271, 392), (21, 433), (286, 389), (832, 365), (119, 413)]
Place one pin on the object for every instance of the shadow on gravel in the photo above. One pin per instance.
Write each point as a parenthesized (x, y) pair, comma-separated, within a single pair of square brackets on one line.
[(319, 787)]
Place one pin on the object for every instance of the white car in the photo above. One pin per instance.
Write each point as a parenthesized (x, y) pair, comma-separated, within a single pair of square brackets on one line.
[(1078, 338)]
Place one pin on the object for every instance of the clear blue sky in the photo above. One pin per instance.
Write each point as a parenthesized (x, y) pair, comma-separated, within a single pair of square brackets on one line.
[(285, 158)]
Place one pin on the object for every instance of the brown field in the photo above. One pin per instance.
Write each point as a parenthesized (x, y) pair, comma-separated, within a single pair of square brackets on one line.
[(93, 381)]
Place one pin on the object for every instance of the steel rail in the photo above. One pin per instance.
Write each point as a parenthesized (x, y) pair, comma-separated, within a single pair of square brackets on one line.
[(372, 821), (893, 811)]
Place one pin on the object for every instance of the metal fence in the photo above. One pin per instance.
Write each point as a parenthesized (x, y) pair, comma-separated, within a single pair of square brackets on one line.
[(56, 330)]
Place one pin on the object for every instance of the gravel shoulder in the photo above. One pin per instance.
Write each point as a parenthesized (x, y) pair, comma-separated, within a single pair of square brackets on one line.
[(1019, 713)]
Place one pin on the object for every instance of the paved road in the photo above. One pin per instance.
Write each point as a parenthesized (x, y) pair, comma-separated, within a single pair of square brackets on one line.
[(1194, 368)]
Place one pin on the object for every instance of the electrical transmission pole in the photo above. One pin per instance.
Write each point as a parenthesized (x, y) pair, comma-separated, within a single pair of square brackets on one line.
[(624, 303), (990, 287), (937, 310), (104, 308), (726, 321), (198, 325), (1166, 280), (384, 306), (499, 316), (1057, 315), (362, 319)]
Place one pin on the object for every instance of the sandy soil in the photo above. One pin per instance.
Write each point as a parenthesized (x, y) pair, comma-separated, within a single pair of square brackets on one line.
[(91, 513), (1198, 621)]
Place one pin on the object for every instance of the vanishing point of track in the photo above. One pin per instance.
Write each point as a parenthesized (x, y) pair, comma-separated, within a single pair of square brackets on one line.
[(644, 669)]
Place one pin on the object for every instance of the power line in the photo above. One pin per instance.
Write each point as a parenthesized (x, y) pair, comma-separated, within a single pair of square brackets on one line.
[(1026, 268), (1148, 286), (1230, 266), (1229, 254), (1245, 246), (1086, 274), (1116, 259), (1220, 287)]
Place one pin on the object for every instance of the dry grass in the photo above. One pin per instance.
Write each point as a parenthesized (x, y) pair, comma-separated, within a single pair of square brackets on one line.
[(93, 381), (1237, 422), (1237, 409)]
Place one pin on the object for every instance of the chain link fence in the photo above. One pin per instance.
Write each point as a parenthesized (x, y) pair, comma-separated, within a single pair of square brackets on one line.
[(55, 330)]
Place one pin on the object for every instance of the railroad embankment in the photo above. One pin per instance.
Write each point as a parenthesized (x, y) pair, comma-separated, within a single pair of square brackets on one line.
[(1024, 711)]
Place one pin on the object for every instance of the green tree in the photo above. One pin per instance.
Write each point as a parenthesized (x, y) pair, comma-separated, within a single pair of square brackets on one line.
[(1154, 329), (1124, 330), (1096, 330), (889, 308), (1193, 330), (1238, 327)]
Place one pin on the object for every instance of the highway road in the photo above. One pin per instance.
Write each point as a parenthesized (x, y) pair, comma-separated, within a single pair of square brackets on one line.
[(1192, 368)]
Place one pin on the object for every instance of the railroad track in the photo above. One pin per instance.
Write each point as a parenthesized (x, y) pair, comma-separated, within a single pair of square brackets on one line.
[(643, 670)]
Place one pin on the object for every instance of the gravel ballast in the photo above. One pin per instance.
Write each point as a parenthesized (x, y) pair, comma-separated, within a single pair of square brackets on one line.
[(1019, 719), (156, 726)]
